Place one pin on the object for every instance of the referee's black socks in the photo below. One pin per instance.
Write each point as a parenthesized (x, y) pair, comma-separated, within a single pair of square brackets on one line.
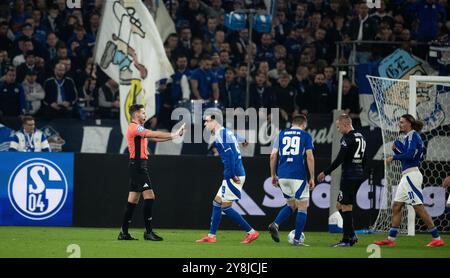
[(127, 217), (349, 231), (148, 209)]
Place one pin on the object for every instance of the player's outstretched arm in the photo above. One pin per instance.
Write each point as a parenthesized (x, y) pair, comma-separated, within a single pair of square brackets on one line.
[(310, 162), (160, 136), (337, 161)]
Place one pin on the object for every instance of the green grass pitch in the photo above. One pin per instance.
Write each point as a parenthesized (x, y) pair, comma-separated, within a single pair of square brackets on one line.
[(99, 243)]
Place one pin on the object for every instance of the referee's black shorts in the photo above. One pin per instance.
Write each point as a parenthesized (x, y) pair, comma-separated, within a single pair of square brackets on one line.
[(139, 176), (348, 190)]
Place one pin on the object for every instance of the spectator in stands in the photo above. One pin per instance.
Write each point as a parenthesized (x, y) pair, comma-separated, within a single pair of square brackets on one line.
[(362, 28), (265, 50), (18, 16), (108, 100), (34, 93), (281, 25), (294, 43), (93, 27), (88, 98), (30, 64), (24, 45), (28, 33), (203, 81), (53, 21), (213, 10), (40, 32), (209, 31), (285, 98), (279, 69), (316, 99), (301, 82), (225, 59), (239, 46), (185, 36), (263, 67), (60, 94), (322, 48), (52, 41), (12, 96), (262, 94), (5, 42), (196, 52), (6, 135), (79, 45), (179, 88), (194, 13), (29, 138), (430, 14), (350, 99), (300, 18), (231, 94), (4, 62), (330, 79)]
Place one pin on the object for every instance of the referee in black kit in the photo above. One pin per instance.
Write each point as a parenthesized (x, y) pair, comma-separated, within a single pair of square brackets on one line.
[(351, 156)]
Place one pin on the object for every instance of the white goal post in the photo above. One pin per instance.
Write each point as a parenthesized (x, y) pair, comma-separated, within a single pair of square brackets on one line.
[(428, 99)]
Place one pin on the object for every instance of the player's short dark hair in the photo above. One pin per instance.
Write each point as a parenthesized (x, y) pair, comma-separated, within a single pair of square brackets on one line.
[(134, 108), (27, 118), (299, 120), (417, 125), (345, 117)]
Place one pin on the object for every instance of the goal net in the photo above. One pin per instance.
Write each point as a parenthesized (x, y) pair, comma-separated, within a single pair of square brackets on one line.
[(428, 99)]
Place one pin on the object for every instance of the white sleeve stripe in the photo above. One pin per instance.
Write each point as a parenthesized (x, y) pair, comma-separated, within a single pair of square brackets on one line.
[(227, 149), (14, 145)]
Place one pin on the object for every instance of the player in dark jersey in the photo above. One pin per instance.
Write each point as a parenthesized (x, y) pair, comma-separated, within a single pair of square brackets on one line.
[(351, 156), (137, 138)]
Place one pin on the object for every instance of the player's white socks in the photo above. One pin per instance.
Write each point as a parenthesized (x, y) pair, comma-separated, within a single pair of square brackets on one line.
[(252, 231), (211, 235)]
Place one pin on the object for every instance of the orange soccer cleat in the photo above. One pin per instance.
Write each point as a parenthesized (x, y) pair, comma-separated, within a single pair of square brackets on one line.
[(210, 239), (436, 243), (250, 237), (385, 242)]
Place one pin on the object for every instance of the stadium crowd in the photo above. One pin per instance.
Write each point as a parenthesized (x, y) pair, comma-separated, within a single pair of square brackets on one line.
[(47, 68)]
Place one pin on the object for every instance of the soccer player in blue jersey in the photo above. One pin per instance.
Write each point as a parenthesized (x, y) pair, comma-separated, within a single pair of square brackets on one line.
[(409, 152), (289, 150), (234, 177)]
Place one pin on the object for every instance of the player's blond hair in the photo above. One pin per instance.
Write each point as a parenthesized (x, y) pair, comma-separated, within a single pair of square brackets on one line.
[(345, 118)]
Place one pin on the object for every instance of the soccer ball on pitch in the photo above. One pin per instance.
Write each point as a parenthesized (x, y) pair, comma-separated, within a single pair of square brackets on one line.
[(291, 236)]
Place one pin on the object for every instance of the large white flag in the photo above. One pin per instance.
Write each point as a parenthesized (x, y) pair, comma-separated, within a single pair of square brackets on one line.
[(162, 18), (130, 51)]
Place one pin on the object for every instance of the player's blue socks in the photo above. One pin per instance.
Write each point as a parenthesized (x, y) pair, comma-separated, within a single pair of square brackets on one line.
[(283, 214), (300, 222), (435, 233), (393, 233), (215, 218), (236, 217)]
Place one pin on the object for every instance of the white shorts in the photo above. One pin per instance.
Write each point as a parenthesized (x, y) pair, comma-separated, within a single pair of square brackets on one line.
[(230, 191), (294, 189), (409, 189)]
